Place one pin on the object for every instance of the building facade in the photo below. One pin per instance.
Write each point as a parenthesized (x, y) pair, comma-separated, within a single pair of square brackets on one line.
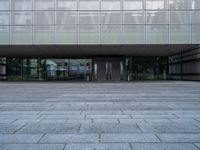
[(99, 39)]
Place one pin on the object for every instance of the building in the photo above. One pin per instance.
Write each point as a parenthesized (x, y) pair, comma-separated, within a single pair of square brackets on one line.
[(99, 40)]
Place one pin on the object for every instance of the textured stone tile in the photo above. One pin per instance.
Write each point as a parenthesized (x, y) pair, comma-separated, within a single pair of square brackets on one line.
[(132, 121), (163, 146), (102, 112), (105, 121), (32, 147), (107, 116), (110, 146), (109, 128), (52, 121), (128, 138), (49, 128), (20, 138), (68, 138), (154, 116), (179, 137), (62, 116), (157, 120), (168, 128), (184, 120), (198, 145), (79, 121), (8, 128)]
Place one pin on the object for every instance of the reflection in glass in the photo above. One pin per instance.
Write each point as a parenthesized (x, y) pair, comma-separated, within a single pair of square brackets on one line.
[(134, 34), (156, 17), (66, 4), (21, 4), (89, 18), (89, 5), (66, 17), (4, 35), (111, 18), (156, 4), (157, 34), (179, 4), (136, 17), (4, 18), (110, 4), (133, 4), (4, 5), (22, 18)]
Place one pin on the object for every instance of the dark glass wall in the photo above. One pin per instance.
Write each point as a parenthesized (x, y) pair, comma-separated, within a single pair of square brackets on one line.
[(146, 68)]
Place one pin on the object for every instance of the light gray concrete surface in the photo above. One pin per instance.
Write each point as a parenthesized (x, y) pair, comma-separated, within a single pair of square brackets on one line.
[(100, 116)]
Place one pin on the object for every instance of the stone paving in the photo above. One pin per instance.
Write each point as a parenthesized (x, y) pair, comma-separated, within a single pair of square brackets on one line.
[(100, 116)]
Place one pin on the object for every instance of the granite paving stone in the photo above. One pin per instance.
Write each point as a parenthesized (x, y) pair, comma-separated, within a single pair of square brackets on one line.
[(32, 147), (144, 115), (70, 138), (163, 146), (110, 146), (19, 138), (179, 137)]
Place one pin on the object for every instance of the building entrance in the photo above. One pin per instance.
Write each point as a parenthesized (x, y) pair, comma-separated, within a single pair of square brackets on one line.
[(107, 68)]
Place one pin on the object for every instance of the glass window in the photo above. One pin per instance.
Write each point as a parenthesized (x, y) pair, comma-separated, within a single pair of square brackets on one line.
[(66, 34), (157, 34), (154, 17), (111, 18), (44, 18), (21, 18), (43, 34), (89, 34), (110, 4), (4, 18), (4, 5), (89, 18), (195, 34), (66, 5), (180, 34), (134, 34), (4, 35), (196, 17), (21, 35), (66, 17), (21, 4), (179, 4), (133, 17), (156, 4), (44, 4), (133, 4), (111, 34), (180, 17), (196, 4), (89, 4)]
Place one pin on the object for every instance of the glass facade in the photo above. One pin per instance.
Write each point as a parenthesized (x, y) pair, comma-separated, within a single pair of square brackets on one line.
[(99, 22)]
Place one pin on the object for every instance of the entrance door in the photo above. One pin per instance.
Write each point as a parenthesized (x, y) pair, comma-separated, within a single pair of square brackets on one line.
[(106, 68)]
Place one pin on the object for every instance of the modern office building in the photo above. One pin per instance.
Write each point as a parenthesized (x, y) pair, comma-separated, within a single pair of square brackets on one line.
[(99, 40)]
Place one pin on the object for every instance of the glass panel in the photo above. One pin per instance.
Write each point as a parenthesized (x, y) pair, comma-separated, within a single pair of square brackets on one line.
[(13, 69), (180, 17), (110, 4), (136, 17), (4, 5), (4, 35), (89, 34), (66, 4), (44, 18), (196, 17), (154, 17), (44, 4), (63, 17), (89, 18), (21, 4), (133, 4), (180, 34), (89, 4), (4, 18), (196, 4), (157, 34), (66, 34), (21, 18), (33, 69), (111, 34), (21, 35), (44, 34), (111, 18), (195, 34), (156, 4), (134, 34), (179, 4)]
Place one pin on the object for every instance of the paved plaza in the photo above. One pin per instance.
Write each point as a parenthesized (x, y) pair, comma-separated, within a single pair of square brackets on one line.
[(100, 116)]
